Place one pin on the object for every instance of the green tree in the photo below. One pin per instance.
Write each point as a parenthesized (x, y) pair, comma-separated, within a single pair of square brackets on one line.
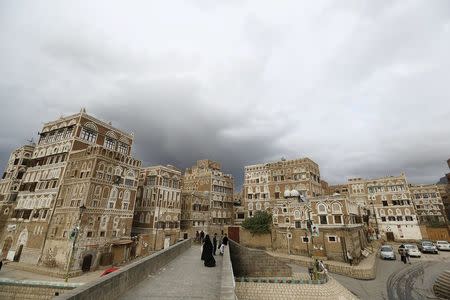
[(258, 224)]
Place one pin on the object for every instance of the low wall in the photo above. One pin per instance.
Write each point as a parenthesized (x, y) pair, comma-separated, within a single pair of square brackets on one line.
[(29, 289), (227, 284), (256, 263), (113, 285), (366, 272)]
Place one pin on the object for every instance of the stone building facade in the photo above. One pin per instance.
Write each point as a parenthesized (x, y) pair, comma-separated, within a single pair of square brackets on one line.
[(428, 204), (265, 184), (391, 208), (195, 213), (337, 218), (68, 152), (10, 183), (105, 183), (205, 182), (157, 213)]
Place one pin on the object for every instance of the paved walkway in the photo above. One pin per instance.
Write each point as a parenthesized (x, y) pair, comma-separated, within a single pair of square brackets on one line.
[(11, 272), (184, 278)]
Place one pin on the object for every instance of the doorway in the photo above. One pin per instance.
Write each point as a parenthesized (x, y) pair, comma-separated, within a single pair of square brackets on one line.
[(390, 236), (18, 253), (87, 260)]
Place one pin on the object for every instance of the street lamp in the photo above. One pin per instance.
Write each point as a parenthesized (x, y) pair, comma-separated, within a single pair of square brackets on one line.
[(74, 235)]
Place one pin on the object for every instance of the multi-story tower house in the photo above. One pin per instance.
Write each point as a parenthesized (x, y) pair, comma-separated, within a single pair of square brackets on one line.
[(104, 183), (206, 177), (195, 213), (158, 206), (446, 198), (428, 204), (264, 184), (42, 181), (9, 188), (357, 190), (390, 201)]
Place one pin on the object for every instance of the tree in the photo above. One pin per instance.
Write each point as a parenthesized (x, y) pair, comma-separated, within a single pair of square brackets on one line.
[(258, 224)]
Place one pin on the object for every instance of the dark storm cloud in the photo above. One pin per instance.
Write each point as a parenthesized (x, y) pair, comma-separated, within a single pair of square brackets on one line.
[(361, 88)]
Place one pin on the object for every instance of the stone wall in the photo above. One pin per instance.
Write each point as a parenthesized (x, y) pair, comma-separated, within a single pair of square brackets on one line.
[(227, 287), (256, 241), (113, 285), (256, 263), (27, 289)]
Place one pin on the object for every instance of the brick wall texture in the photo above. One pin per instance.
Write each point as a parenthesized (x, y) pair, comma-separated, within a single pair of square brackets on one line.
[(256, 263)]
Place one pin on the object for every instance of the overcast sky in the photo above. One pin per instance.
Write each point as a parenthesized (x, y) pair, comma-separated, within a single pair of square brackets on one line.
[(360, 87)]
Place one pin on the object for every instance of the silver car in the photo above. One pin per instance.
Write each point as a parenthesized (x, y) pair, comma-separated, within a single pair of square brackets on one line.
[(387, 252)]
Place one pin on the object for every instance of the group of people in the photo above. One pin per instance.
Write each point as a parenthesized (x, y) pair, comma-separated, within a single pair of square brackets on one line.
[(209, 247)]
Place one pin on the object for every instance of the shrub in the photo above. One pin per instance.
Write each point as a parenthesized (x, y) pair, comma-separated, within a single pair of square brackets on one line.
[(258, 224)]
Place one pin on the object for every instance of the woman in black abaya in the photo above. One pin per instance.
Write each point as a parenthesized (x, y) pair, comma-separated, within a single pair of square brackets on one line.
[(207, 253)]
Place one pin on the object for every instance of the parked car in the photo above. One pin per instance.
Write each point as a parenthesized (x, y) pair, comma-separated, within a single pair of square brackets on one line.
[(411, 249), (443, 245), (387, 252), (427, 247)]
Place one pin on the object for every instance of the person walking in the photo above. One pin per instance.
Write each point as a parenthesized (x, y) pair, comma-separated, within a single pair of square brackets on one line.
[(202, 236), (214, 243), (1, 263), (407, 256), (403, 256), (197, 236), (224, 244), (207, 253), (350, 258)]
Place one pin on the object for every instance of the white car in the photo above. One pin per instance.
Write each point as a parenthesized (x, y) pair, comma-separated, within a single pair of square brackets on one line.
[(443, 245), (412, 250)]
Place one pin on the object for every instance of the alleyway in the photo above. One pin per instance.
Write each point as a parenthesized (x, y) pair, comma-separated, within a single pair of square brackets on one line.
[(183, 278)]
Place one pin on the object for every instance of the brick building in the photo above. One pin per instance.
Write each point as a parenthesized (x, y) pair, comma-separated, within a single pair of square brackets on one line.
[(337, 217), (428, 204), (205, 186), (157, 213), (265, 184), (79, 161), (10, 183)]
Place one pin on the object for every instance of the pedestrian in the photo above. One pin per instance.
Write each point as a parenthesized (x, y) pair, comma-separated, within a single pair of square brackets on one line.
[(207, 253), (202, 236), (407, 256), (214, 243), (350, 258), (197, 236), (403, 256), (1, 263), (224, 244)]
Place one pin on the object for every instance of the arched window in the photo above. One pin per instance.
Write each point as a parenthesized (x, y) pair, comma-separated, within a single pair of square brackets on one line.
[(258, 206), (321, 208), (390, 212), (398, 212), (297, 214), (118, 171), (407, 212), (250, 206), (89, 132), (98, 190), (336, 208), (382, 213), (141, 218)]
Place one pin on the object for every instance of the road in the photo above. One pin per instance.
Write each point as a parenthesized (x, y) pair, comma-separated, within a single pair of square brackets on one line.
[(402, 281)]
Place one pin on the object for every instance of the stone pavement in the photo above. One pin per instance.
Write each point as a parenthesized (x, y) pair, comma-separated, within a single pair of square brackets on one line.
[(183, 278), (280, 291), (9, 271)]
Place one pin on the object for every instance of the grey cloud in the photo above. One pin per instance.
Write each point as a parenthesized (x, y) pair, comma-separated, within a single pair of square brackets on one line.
[(361, 88)]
